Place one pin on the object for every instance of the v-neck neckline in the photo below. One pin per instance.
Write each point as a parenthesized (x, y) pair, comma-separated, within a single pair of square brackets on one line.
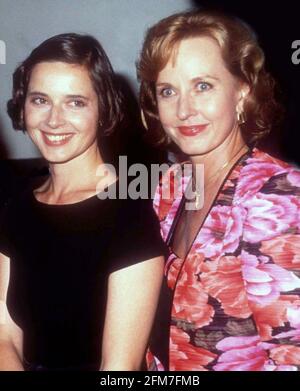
[(179, 211)]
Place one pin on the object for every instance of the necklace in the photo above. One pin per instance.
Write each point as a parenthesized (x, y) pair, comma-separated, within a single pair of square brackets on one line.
[(199, 194)]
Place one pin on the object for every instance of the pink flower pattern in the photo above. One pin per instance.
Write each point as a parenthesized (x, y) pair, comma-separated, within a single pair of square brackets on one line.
[(248, 354), (264, 281), (269, 215), (236, 295), (221, 232)]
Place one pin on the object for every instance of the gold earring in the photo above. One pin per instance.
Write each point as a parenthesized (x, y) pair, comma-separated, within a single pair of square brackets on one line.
[(144, 120), (241, 118)]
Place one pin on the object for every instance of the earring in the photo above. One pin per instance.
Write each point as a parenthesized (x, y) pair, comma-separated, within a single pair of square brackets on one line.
[(22, 120), (241, 118), (168, 139), (144, 120)]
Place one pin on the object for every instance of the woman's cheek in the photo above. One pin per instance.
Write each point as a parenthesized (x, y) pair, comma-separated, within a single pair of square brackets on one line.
[(166, 112), (35, 115), (211, 107)]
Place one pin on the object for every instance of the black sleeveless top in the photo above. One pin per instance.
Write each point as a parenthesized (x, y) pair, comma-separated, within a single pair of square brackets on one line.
[(61, 258)]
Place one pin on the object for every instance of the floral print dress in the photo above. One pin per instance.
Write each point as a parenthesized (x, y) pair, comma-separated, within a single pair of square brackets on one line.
[(236, 295)]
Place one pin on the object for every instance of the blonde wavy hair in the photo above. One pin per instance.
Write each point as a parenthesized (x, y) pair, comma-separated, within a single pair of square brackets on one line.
[(242, 56)]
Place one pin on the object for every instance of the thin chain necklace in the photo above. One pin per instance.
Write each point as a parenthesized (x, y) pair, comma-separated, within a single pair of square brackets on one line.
[(198, 194)]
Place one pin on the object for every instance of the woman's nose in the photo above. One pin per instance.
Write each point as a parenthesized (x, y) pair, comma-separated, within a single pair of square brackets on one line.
[(185, 107), (56, 117)]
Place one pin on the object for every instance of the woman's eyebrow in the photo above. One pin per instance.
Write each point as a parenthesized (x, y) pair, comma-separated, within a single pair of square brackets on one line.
[(163, 84), (70, 96), (205, 76), (77, 96), (194, 79), (31, 93)]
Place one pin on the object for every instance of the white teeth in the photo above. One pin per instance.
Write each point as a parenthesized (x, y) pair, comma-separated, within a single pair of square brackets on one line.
[(57, 137)]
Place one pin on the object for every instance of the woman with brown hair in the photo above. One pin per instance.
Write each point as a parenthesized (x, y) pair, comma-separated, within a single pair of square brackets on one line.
[(76, 268), (232, 275)]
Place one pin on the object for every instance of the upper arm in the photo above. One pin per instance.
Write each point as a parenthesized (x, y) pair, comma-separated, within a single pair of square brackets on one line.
[(4, 279), (9, 330), (132, 300)]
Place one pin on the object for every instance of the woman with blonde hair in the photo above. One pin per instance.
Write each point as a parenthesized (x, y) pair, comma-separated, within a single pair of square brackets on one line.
[(232, 276)]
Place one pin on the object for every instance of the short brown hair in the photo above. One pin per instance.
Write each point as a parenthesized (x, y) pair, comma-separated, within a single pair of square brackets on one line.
[(242, 55), (78, 49)]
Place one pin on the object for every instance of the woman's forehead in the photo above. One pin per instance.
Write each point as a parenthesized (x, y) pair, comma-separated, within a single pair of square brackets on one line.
[(195, 56), (60, 74)]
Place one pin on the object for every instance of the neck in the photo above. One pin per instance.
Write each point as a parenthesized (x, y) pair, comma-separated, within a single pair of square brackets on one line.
[(222, 158), (75, 176)]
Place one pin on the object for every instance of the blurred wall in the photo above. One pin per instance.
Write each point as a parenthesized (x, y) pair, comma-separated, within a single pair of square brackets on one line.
[(118, 24)]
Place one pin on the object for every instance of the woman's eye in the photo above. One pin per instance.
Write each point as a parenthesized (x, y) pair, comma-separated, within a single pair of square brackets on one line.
[(166, 92), (77, 103), (38, 101), (203, 86)]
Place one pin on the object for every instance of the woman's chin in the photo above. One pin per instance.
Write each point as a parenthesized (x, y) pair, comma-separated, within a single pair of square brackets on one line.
[(56, 158), (191, 150)]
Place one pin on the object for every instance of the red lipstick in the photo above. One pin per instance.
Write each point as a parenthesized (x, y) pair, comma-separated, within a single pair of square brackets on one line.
[(190, 131)]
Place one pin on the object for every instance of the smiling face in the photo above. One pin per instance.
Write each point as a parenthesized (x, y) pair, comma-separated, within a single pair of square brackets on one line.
[(61, 111), (198, 98)]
